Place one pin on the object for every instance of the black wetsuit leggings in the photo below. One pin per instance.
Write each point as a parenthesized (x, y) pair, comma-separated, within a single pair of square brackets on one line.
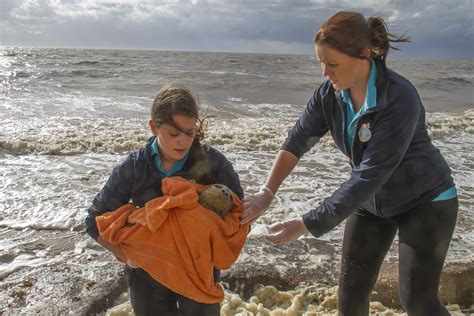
[(149, 298), (424, 234)]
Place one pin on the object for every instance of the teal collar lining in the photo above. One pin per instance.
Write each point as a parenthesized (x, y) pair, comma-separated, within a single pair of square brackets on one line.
[(155, 154)]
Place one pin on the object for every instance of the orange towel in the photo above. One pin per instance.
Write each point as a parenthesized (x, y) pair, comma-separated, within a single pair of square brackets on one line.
[(176, 240)]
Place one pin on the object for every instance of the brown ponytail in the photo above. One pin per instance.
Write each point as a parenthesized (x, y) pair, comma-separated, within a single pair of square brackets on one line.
[(350, 33), (380, 38)]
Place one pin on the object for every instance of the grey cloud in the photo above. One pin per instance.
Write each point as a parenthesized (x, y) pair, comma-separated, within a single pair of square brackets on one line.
[(438, 28), (435, 25), (6, 6), (403, 4)]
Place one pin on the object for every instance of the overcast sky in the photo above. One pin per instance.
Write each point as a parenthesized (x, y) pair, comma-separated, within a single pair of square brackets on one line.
[(439, 28)]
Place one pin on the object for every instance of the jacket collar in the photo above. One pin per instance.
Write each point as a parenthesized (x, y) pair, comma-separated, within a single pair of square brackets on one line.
[(381, 84), (149, 158)]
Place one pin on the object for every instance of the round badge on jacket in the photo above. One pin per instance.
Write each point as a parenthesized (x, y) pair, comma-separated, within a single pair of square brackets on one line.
[(364, 133)]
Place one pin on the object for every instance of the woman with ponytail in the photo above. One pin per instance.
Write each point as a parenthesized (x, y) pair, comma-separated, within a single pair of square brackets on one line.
[(399, 181)]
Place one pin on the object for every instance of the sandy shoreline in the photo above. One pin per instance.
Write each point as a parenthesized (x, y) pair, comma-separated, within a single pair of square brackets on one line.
[(85, 280)]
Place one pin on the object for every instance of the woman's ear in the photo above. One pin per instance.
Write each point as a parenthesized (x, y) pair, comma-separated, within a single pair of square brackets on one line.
[(367, 53), (153, 128)]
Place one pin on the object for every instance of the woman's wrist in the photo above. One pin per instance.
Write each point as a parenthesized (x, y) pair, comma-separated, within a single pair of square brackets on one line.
[(304, 228), (266, 189)]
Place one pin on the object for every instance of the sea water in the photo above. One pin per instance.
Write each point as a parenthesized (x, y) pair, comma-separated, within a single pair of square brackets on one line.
[(68, 116)]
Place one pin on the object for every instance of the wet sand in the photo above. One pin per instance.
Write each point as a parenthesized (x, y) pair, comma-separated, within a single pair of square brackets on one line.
[(71, 281), (296, 279)]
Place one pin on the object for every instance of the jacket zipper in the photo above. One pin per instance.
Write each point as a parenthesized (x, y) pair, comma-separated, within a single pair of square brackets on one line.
[(362, 120), (342, 106)]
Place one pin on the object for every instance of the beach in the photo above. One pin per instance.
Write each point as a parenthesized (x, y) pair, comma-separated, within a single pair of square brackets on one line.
[(70, 115)]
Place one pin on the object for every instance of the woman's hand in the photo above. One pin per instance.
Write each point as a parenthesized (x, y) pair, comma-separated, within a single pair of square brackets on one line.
[(286, 232), (114, 249), (255, 205)]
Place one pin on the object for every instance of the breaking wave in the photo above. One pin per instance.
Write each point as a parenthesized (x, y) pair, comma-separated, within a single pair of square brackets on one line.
[(70, 136)]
